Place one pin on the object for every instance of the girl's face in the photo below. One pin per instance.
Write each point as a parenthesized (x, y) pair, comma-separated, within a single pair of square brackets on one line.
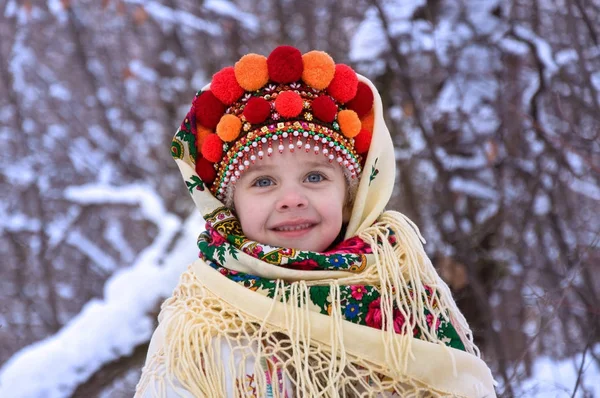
[(293, 200)]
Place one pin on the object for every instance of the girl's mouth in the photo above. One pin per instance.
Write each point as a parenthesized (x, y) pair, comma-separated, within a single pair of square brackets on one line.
[(291, 228)]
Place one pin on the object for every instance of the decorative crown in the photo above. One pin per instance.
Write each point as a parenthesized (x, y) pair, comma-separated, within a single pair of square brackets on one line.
[(262, 102)]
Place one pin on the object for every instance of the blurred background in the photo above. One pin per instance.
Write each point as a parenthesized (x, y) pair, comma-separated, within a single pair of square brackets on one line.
[(494, 106)]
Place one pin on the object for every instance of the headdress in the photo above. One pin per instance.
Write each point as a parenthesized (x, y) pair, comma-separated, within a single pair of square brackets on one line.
[(286, 101)]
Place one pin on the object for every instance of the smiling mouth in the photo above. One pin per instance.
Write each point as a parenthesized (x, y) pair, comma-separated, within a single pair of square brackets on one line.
[(290, 228)]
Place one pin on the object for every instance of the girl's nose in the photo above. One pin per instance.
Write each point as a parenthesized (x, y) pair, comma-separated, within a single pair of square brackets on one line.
[(291, 199)]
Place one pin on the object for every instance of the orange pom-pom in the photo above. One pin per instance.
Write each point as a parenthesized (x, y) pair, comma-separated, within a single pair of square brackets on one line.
[(362, 141), (349, 123), (368, 120), (344, 84), (319, 69), (251, 71), (201, 134), (212, 148), (229, 127), (225, 86), (288, 104)]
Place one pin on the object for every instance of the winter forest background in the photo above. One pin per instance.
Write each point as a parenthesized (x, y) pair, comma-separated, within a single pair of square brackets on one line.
[(495, 110)]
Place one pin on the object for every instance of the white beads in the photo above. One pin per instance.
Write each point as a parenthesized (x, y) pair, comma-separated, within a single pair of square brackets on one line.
[(296, 133), (269, 150), (305, 134), (280, 147), (291, 146), (246, 163), (253, 157), (285, 135), (307, 146), (261, 154), (339, 159), (235, 161), (263, 140), (331, 157)]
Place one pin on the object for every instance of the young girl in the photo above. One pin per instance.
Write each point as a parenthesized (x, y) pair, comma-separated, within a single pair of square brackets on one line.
[(305, 286)]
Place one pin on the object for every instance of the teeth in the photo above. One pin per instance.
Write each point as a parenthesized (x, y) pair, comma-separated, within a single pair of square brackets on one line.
[(293, 228)]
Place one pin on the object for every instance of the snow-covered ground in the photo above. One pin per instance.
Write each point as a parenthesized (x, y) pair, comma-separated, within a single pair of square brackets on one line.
[(113, 326)]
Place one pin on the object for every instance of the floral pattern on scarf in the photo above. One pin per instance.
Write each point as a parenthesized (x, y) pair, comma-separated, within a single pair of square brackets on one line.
[(360, 304)]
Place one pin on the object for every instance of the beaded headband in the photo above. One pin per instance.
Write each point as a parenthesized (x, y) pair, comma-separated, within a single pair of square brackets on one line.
[(253, 108)]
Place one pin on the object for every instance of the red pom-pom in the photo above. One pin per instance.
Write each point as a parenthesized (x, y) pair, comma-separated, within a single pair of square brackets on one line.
[(362, 141), (257, 110), (363, 101), (288, 104), (344, 84), (205, 170), (212, 148), (324, 108), (285, 64), (225, 86), (208, 109)]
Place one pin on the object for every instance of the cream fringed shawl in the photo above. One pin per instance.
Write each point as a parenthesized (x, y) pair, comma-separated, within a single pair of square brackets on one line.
[(212, 327)]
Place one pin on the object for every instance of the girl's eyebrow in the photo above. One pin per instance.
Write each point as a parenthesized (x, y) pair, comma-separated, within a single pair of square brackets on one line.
[(261, 168)]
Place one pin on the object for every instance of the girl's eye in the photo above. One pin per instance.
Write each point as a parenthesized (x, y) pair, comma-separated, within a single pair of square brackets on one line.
[(315, 177), (262, 182)]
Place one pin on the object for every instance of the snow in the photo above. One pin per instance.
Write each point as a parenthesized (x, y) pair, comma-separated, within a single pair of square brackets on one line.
[(143, 72), (60, 92), (454, 162), (228, 9), (168, 16), (566, 56), (541, 205), (472, 188), (22, 57), (557, 378), (542, 49), (111, 327), (16, 222), (95, 253), (586, 188), (58, 10), (370, 39)]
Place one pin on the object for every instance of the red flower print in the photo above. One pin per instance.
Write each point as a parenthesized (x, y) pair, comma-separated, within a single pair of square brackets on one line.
[(306, 265), (215, 238), (374, 317), (354, 245), (398, 321), (430, 321), (358, 292)]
